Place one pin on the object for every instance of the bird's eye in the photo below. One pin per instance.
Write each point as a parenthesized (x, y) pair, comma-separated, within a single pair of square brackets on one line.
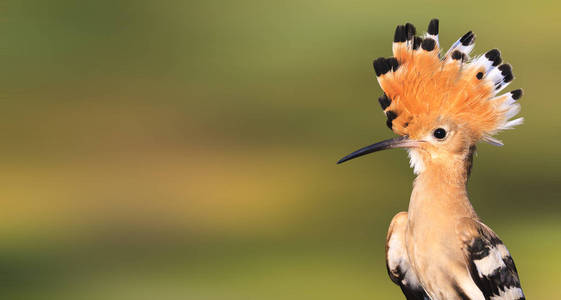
[(439, 133)]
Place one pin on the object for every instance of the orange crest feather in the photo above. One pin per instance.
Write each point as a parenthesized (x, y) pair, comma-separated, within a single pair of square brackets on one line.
[(421, 87)]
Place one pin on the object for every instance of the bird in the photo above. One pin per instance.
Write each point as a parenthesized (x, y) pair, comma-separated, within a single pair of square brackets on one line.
[(441, 104)]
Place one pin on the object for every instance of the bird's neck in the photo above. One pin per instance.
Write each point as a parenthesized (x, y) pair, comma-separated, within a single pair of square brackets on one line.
[(439, 191)]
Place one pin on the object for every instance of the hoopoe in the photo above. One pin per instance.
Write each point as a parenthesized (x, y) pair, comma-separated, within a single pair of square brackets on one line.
[(441, 106)]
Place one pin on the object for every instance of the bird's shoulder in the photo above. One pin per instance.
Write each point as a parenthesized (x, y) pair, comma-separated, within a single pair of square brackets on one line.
[(489, 261), (397, 260)]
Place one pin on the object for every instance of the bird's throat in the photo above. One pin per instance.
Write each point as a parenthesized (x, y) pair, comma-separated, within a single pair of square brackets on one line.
[(440, 189)]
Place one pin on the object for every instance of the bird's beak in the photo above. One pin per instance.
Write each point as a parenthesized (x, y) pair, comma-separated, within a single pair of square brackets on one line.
[(398, 142)]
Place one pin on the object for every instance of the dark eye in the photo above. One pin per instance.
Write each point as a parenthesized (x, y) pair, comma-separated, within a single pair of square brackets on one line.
[(439, 133)]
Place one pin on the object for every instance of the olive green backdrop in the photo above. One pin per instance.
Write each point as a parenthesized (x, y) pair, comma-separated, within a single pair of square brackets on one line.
[(187, 149)]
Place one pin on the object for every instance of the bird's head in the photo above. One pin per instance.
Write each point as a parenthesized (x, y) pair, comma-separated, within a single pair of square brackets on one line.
[(442, 104)]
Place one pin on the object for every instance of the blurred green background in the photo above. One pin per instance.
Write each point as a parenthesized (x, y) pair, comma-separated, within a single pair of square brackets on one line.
[(187, 149)]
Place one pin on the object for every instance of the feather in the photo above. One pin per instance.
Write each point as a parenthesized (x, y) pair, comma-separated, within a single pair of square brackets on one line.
[(423, 87), (397, 262), (463, 45), (489, 262)]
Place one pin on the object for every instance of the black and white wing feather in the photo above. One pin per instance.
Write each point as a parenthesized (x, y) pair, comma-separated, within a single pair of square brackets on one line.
[(397, 261), (490, 264)]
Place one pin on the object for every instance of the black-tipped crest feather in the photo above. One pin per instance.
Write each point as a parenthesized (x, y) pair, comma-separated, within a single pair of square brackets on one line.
[(494, 56), (410, 30), (506, 71), (428, 44), (391, 116), (400, 34), (516, 94), (384, 101), (468, 38), (433, 27)]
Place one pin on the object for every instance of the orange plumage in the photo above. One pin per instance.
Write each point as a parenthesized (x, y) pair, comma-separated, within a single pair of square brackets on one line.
[(442, 106), (423, 87)]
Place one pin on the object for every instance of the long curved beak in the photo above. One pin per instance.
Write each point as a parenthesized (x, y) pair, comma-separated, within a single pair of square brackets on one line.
[(398, 142)]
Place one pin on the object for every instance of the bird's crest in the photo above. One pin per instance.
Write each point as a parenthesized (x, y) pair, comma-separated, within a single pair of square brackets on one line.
[(421, 85)]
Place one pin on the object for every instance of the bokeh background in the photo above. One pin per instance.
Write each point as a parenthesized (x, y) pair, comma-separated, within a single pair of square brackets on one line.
[(187, 149)]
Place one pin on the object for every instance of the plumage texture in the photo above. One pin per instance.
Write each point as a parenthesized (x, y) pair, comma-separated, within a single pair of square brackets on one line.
[(489, 261), (440, 249), (493, 274), (442, 106), (399, 268), (421, 86)]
